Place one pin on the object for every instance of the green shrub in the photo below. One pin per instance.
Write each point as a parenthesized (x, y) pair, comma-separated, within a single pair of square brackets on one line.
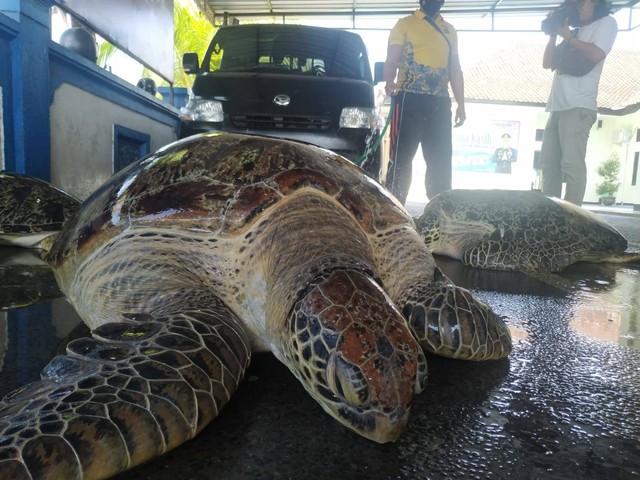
[(609, 171)]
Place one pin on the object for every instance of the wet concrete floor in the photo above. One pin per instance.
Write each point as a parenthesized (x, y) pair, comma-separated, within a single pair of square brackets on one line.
[(565, 405)]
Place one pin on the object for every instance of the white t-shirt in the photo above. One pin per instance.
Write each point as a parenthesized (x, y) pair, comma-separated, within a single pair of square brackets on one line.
[(568, 91)]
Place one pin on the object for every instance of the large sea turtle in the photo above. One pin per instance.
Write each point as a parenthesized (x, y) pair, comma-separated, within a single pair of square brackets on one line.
[(213, 247), (518, 231)]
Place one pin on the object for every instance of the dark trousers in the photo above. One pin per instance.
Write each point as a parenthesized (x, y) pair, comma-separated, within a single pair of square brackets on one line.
[(424, 120)]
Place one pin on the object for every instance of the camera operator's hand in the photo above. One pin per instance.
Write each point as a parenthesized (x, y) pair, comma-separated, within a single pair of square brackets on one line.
[(564, 31)]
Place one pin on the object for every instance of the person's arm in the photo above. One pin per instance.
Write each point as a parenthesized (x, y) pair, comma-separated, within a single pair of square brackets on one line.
[(456, 79), (589, 50), (547, 58), (391, 64)]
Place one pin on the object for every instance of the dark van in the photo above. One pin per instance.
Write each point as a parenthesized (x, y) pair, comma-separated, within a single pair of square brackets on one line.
[(302, 83)]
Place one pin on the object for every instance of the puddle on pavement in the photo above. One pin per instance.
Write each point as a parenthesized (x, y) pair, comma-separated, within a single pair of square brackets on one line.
[(605, 299), (608, 304)]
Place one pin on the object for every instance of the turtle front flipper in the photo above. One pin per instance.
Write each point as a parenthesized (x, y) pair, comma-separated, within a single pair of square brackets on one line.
[(132, 392), (450, 322), (502, 250), (447, 320)]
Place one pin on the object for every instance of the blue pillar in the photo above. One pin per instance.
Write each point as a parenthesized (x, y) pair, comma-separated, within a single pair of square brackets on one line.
[(9, 29), (30, 91)]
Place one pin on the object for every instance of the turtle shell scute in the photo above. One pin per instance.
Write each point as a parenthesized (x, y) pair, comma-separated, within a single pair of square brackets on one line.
[(246, 206)]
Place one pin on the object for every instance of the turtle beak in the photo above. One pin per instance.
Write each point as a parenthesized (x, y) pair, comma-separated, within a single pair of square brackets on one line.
[(389, 427), (375, 395), (384, 428)]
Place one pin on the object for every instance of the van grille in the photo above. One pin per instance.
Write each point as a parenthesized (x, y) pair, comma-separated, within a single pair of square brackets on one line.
[(273, 122)]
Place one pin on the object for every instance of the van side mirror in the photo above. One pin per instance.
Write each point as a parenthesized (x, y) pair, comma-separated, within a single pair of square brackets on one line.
[(378, 72), (190, 63)]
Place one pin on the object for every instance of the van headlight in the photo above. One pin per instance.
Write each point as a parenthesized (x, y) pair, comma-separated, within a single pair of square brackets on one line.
[(357, 117), (200, 110)]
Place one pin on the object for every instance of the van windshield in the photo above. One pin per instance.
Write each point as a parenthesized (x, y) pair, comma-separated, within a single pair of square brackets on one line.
[(288, 49)]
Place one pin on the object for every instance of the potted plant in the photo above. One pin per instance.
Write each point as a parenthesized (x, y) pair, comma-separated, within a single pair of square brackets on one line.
[(609, 171)]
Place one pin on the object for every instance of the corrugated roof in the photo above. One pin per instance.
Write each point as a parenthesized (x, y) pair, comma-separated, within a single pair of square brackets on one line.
[(514, 75)]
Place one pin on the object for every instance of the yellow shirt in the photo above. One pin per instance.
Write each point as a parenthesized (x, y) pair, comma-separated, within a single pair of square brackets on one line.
[(424, 66)]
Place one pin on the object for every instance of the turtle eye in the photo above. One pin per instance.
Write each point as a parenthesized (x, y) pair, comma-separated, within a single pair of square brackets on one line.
[(346, 381)]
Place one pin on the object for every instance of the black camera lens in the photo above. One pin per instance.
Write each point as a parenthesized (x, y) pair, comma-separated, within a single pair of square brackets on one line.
[(567, 11)]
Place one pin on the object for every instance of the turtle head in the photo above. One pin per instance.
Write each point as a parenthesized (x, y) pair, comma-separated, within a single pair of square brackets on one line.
[(354, 353)]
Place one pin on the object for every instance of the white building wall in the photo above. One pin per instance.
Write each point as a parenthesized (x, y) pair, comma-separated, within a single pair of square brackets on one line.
[(617, 134), (483, 121), (82, 140), (604, 139)]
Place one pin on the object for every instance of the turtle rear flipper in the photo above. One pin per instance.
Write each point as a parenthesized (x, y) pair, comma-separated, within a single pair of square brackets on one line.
[(132, 392)]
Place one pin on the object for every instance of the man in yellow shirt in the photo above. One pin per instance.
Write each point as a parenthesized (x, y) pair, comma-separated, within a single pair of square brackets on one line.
[(422, 61)]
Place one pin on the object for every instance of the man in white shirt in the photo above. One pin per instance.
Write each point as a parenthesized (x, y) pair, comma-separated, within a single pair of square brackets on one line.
[(572, 101)]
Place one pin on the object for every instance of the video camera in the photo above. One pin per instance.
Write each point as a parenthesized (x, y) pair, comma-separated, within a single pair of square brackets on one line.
[(567, 11)]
